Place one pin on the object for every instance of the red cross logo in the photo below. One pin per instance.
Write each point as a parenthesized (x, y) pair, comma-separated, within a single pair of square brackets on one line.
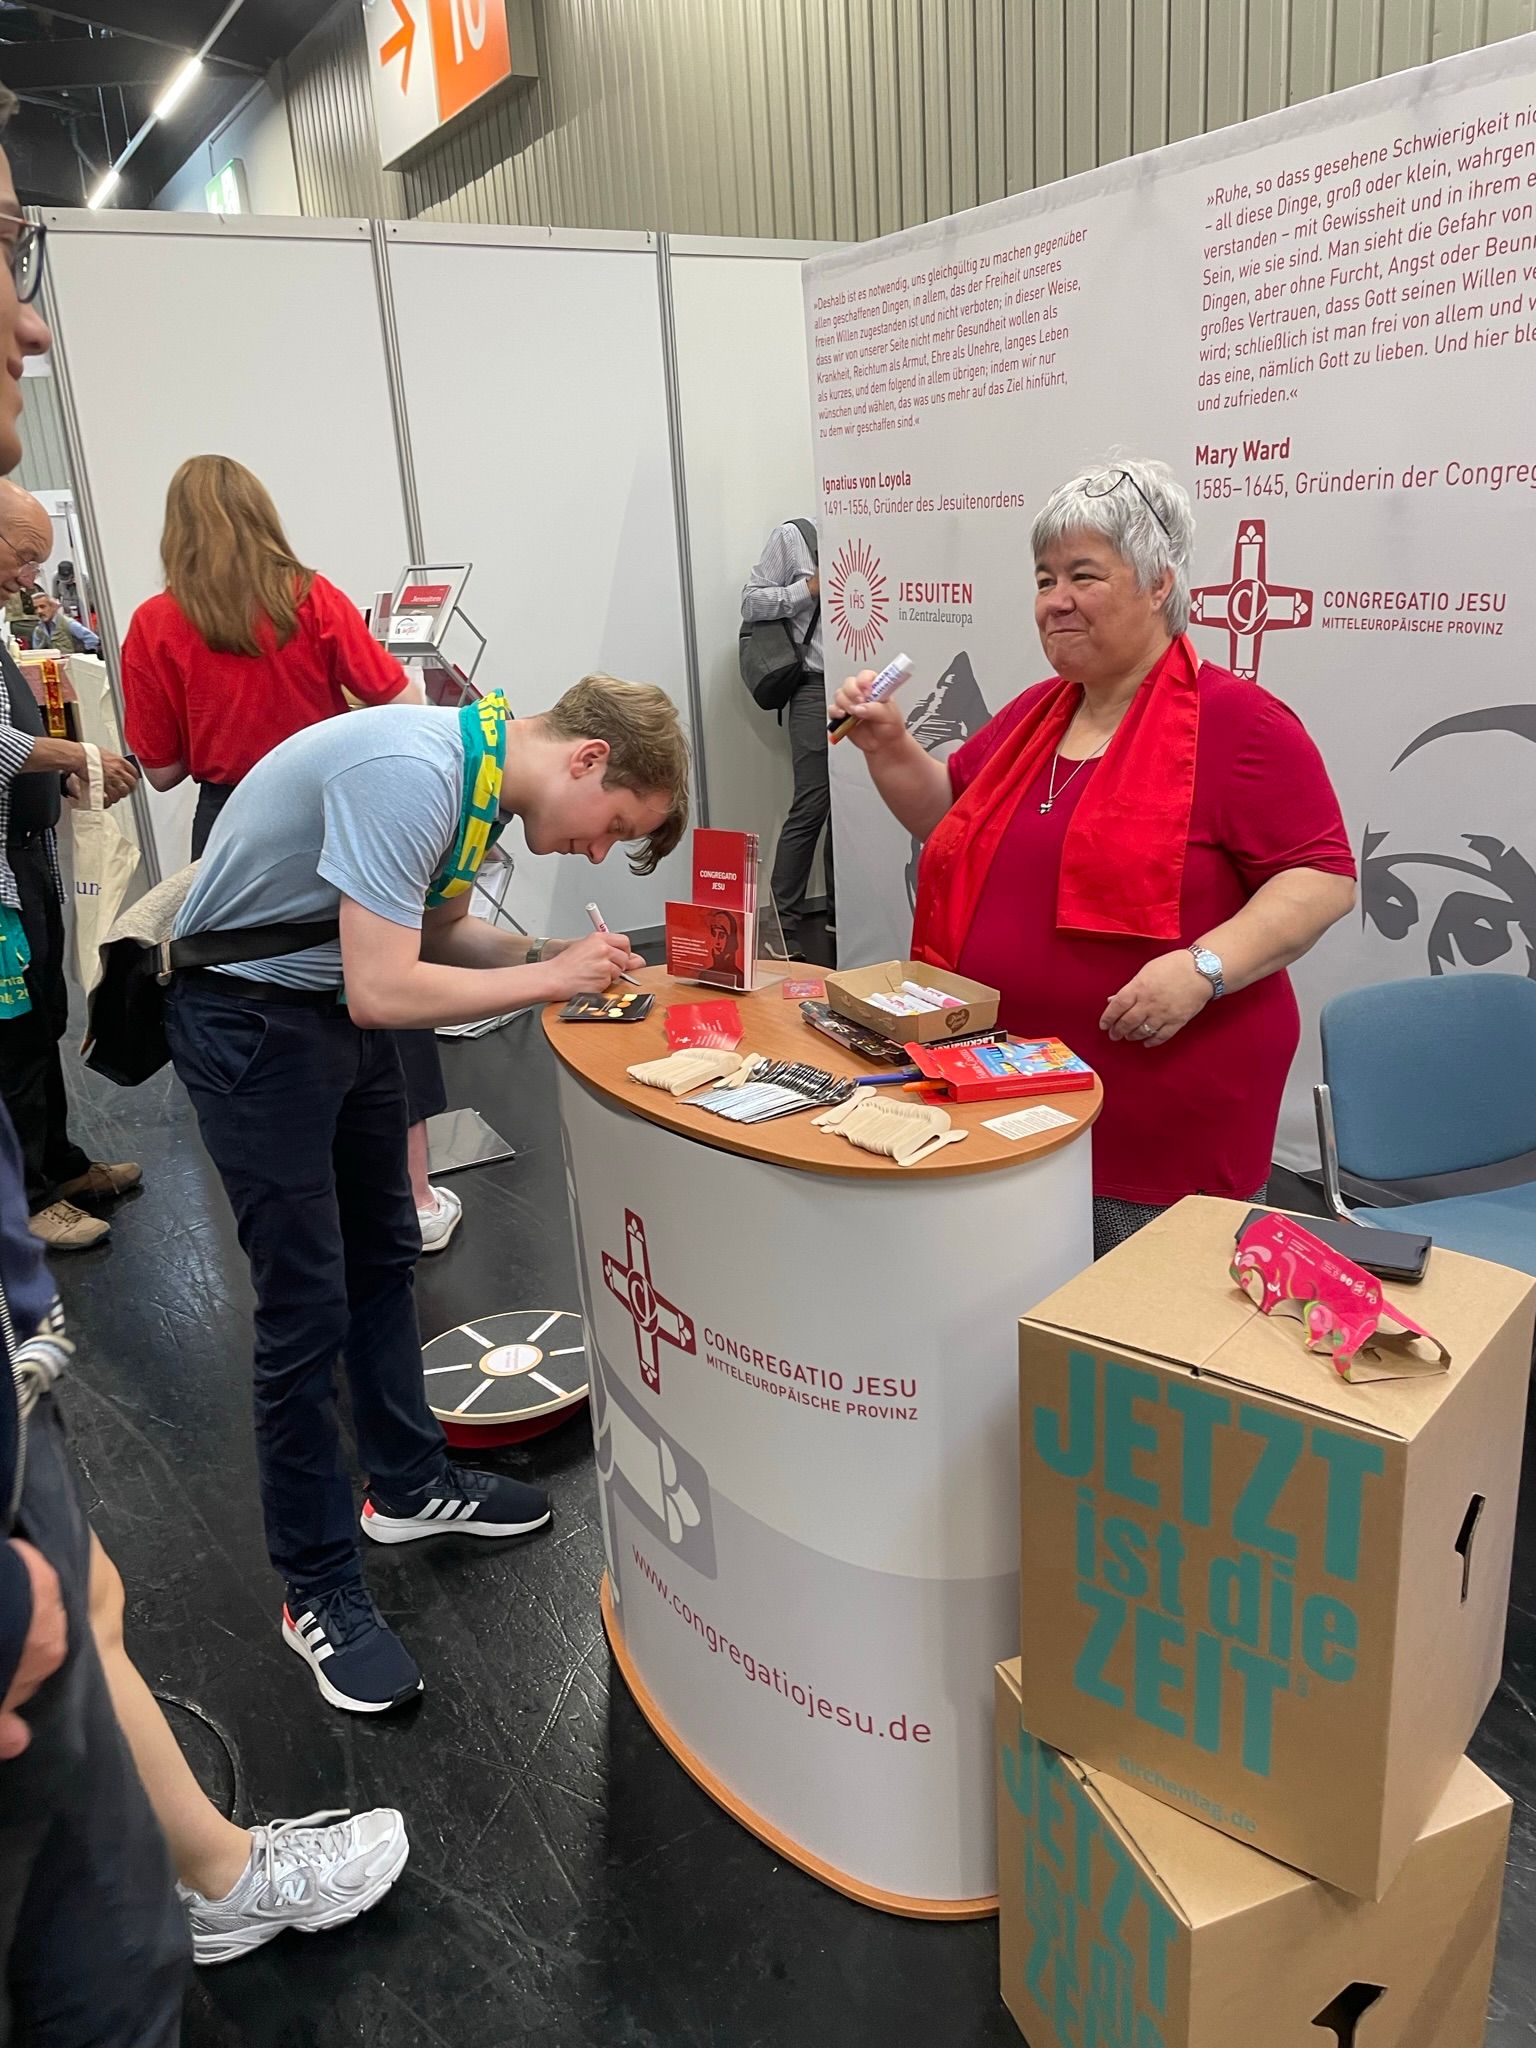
[(657, 1321), (1250, 605)]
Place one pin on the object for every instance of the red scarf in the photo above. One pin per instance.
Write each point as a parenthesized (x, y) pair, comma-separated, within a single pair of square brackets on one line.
[(1122, 862)]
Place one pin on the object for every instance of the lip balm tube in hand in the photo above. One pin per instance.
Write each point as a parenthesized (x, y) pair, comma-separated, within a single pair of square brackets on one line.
[(598, 925), (889, 680)]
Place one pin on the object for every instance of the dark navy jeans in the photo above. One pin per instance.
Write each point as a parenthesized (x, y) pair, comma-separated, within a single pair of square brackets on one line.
[(304, 1116)]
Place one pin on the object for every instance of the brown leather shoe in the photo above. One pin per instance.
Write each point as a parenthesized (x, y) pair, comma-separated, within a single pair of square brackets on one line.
[(102, 1182), (64, 1228)]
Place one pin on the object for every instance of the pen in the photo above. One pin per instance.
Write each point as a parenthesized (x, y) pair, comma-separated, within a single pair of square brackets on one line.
[(886, 684), (896, 1074), (599, 926)]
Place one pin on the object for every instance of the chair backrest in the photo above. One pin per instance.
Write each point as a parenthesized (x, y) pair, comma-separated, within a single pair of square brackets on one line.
[(1432, 1076)]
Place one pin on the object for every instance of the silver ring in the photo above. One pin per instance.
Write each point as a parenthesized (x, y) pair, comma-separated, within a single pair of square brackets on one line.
[(1147, 1031)]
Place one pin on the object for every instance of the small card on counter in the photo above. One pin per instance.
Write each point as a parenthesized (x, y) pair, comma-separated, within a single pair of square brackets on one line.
[(803, 991), (1029, 1123)]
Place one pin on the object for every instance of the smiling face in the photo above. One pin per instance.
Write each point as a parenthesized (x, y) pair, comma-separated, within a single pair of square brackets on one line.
[(572, 809), (1095, 623), (22, 332)]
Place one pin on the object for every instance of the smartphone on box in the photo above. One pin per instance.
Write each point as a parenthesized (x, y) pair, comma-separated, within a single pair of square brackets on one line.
[(1400, 1255)]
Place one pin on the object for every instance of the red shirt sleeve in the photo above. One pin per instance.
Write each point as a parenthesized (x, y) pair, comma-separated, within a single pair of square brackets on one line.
[(1278, 807), (153, 721), (357, 661), (967, 761)]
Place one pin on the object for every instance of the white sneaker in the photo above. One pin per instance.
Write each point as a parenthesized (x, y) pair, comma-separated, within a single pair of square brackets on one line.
[(302, 1874), (440, 1221)]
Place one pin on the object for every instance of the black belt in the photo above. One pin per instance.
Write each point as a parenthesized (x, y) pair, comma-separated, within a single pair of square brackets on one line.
[(240, 986)]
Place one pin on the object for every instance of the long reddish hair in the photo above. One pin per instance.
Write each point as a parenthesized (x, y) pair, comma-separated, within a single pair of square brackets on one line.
[(227, 560)]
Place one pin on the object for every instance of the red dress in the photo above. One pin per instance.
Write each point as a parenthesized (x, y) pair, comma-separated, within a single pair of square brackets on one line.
[(219, 714), (1197, 1115)]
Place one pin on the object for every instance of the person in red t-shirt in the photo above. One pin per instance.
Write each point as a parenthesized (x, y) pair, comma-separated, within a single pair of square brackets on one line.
[(1132, 852), (244, 647)]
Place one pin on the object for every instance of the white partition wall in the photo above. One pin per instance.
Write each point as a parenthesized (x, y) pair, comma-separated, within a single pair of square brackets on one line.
[(738, 312), (534, 385), (183, 334)]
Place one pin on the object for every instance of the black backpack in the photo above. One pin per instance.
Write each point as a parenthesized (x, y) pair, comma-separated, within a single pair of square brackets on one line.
[(772, 660)]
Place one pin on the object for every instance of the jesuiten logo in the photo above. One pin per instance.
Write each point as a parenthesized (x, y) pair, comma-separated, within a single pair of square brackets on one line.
[(857, 606), (1250, 605), (657, 1321)]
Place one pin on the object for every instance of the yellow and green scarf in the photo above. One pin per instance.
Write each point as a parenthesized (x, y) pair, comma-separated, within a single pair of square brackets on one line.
[(15, 958), (483, 729)]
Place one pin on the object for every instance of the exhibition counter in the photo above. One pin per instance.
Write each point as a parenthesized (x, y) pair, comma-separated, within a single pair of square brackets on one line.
[(804, 1371)]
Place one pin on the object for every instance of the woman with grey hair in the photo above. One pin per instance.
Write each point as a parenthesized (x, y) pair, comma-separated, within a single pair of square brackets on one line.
[(1133, 852)]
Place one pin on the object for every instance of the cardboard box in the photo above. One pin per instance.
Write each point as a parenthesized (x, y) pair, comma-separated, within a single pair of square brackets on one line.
[(848, 994), (1269, 1597), (1124, 1924)]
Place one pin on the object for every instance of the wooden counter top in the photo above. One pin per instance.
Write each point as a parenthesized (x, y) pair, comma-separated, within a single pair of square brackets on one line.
[(598, 1054)]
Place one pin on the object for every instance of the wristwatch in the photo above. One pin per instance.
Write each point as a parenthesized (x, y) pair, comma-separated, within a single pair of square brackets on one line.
[(1209, 964), (535, 953)]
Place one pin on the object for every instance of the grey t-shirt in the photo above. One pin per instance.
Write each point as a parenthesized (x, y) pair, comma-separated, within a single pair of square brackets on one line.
[(365, 806)]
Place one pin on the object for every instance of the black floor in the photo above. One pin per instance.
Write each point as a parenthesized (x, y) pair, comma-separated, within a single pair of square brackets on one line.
[(568, 1885)]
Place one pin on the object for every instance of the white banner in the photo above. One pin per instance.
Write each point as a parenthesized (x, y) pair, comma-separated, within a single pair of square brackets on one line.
[(1325, 321)]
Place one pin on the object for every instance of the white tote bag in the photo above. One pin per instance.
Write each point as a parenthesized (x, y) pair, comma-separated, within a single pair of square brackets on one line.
[(106, 861)]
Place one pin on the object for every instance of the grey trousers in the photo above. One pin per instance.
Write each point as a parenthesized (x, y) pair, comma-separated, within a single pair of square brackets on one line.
[(810, 811)]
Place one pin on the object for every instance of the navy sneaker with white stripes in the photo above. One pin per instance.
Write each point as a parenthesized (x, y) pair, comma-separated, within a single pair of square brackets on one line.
[(360, 1664), (460, 1503)]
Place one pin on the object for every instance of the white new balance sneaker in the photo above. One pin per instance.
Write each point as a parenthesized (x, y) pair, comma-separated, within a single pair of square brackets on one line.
[(303, 1874), (440, 1221)]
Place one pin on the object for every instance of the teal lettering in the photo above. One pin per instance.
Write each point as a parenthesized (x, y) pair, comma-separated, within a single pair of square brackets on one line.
[(1124, 1436), (1203, 1412), (1233, 1595), (1016, 1763), (1351, 1460), (1050, 1809), (1089, 1676), (1148, 2033), (1108, 2007), (1208, 1692), (1087, 1535), (1171, 1552), (1330, 1637), (1262, 1678), (1283, 1437), (1088, 1824), (1124, 1569), (1162, 1932), (1039, 1895), (1122, 1890), (1072, 1455), (1282, 1611), (1154, 1672)]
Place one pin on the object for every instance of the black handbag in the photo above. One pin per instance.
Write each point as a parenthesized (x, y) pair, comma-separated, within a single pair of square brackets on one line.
[(771, 659), (125, 1016)]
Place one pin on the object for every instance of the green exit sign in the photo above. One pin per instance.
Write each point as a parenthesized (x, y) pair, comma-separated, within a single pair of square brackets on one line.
[(225, 192)]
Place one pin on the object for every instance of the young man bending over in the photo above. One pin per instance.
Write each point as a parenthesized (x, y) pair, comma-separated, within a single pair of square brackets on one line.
[(381, 820)]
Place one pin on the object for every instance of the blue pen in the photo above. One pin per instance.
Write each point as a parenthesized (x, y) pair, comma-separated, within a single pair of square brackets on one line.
[(896, 1074)]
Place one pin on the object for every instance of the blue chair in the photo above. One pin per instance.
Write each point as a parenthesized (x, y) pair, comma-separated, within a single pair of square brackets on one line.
[(1427, 1111)]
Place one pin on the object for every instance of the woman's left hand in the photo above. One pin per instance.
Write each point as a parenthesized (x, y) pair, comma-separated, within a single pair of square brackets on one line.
[(1158, 1002)]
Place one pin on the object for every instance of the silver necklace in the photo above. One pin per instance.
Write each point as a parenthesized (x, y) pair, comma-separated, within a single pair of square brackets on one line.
[(1053, 791)]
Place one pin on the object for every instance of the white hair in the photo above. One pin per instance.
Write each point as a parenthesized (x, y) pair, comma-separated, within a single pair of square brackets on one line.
[(1142, 510)]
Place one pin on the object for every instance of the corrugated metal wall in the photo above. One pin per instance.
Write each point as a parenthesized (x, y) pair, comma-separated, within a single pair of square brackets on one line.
[(45, 460), (843, 119)]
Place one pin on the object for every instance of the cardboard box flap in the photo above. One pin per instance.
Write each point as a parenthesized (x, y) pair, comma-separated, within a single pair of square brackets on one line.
[(1207, 1876), (1167, 1293)]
